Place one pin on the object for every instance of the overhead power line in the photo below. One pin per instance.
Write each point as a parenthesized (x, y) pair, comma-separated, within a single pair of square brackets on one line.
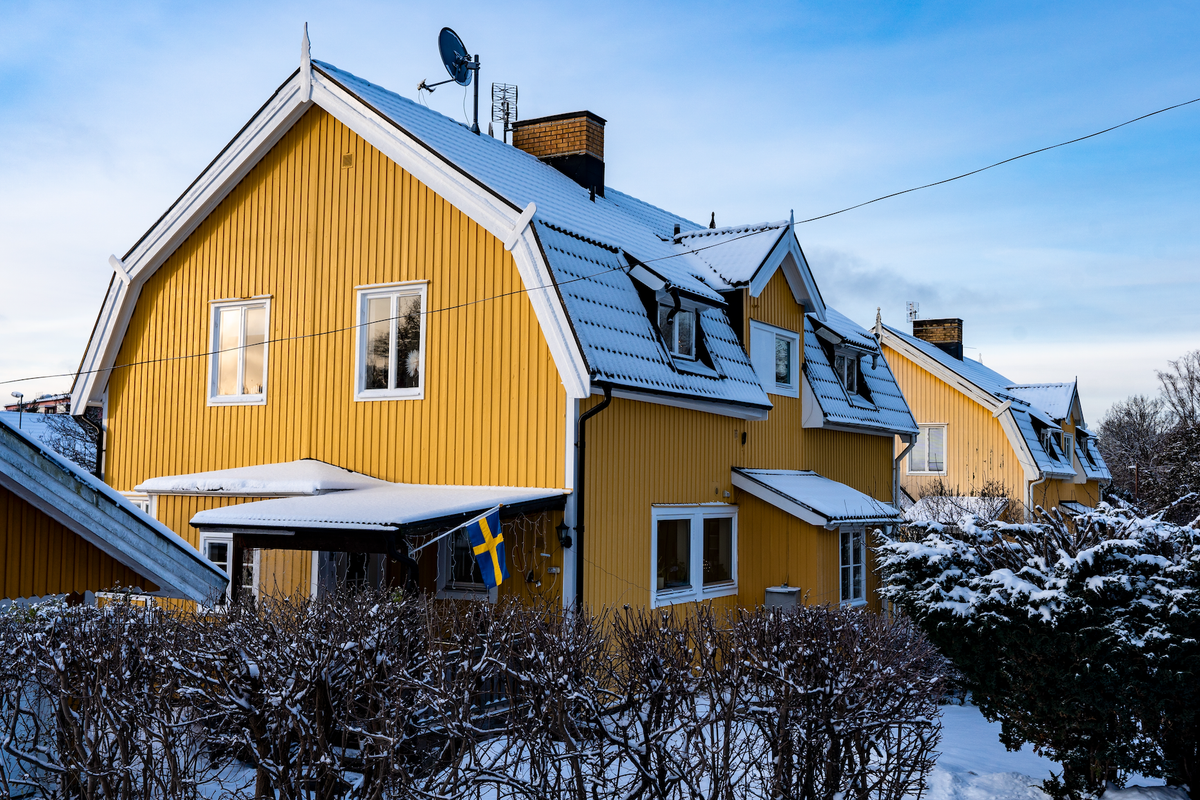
[(614, 269)]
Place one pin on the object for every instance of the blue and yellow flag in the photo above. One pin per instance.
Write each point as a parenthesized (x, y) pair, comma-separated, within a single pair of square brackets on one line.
[(487, 542)]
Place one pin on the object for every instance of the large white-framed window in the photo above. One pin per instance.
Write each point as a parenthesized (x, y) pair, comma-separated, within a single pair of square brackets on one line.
[(845, 365), (775, 355), (852, 565), (237, 365), (218, 548), (693, 553), (928, 456), (458, 574), (678, 330), (390, 361)]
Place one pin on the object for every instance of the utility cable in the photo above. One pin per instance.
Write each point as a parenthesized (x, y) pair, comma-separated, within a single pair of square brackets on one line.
[(614, 269)]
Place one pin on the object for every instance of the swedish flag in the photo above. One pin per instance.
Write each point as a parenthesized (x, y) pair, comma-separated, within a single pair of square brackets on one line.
[(487, 542)]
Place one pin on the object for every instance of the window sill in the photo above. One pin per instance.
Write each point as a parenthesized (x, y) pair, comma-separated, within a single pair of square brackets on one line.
[(670, 597), (861, 603), (924, 473), (784, 390), (389, 394), (238, 400)]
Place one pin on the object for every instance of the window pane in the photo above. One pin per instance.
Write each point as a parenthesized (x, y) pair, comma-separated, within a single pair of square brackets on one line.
[(937, 449), (718, 550), (229, 325), (916, 456), (218, 553), (379, 310), (674, 553), (859, 588), (248, 574), (686, 320), (408, 342), (464, 569), (256, 335), (666, 325), (783, 360)]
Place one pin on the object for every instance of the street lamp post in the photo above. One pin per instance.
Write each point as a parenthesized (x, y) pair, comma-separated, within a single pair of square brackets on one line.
[(20, 408)]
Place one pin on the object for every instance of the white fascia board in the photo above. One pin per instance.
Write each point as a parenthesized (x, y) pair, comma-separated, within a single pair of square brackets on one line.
[(1018, 444), (796, 270), (496, 215), (111, 529), (942, 372), (240, 156), (768, 495), (707, 406)]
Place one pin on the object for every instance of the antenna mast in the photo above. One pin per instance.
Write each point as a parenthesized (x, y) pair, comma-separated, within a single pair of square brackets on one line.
[(914, 310), (504, 106)]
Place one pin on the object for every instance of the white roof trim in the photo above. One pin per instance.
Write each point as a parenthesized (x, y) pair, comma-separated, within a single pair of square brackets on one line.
[(718, 407), (264, 130), (768, 494), (798, 273)]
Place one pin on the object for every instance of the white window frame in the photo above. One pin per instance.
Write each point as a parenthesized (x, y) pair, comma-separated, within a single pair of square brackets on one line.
[(227, 538), (673, 344), (945, 447), (853, 531), (695, 514), (214, 316), (362, 295), (762, 357), (455, 591)]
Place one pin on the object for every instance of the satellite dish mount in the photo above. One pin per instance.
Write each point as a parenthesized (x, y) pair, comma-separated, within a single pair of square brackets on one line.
[(460, 65)]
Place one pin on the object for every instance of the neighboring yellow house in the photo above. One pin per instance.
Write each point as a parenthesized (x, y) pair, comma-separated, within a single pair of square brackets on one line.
[(363, 324), (982, 433)]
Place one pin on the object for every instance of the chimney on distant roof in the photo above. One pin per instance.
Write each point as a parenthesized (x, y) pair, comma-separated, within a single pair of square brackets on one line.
[(944, 333), (571, 143)]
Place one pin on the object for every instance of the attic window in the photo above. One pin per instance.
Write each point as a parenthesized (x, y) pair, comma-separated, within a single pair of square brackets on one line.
[(846, 367), (238, 364), (678, 330)]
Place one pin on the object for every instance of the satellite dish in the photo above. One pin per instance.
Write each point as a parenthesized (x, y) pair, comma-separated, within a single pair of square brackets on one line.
[(454, 56)]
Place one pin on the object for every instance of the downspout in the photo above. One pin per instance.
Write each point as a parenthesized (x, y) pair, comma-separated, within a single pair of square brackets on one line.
[(581, 444), (912, 442), (1029, 495)]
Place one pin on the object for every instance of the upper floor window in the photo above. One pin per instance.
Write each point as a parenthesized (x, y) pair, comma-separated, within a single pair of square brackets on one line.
[(238, 360), (391, 342), (928, 455), (678, 330), (694, 553), (846, 367), (1068, 446), (775, 355)]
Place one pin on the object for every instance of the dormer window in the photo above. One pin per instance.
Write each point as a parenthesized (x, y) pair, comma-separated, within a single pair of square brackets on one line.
[(678, 330), (846, 367)]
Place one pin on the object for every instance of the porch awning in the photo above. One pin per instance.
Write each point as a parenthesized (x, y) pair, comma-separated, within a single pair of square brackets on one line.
[(405, 508), (813, 498)]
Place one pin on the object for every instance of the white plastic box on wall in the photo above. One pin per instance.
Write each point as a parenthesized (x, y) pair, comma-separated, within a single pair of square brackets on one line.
[(782, 597)]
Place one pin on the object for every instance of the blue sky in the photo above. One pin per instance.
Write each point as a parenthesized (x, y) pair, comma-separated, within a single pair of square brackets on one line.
[(1082, 261)]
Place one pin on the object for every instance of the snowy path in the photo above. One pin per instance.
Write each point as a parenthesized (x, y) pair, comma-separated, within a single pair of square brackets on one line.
[(973, 765)]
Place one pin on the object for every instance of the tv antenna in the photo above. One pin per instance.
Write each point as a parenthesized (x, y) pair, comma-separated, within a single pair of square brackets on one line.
[(460, 65), (504, 106), (914, 310)]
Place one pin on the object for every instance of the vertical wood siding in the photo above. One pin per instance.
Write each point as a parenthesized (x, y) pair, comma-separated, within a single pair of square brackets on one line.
[(41, 556), (306, 230)]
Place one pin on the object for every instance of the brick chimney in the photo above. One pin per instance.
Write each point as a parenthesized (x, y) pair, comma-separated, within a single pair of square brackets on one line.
[(945, 333), (571, 143)]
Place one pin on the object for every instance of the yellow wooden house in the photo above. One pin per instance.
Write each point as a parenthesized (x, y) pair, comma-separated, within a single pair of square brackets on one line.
[(364, 324), (982, 434)]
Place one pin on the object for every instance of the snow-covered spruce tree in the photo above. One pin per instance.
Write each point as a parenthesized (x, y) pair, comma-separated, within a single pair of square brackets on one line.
[(1080, 636)]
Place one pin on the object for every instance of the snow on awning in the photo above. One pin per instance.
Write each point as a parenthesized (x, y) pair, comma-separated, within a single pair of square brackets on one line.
[(1075, 508), (304, 477), (813, 498), (384, 508)]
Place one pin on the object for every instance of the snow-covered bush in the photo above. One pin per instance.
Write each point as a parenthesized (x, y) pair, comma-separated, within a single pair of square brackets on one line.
[(378, 696), (1080, 636)]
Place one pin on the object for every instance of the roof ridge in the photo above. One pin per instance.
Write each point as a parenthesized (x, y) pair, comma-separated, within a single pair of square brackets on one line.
[(752, 226)]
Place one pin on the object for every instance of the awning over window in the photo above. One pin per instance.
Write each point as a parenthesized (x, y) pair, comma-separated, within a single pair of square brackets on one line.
[(813, 498), (388, 508), (303, 477)]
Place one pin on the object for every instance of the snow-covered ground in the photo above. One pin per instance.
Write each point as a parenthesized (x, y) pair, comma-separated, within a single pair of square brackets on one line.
[(974, 765)]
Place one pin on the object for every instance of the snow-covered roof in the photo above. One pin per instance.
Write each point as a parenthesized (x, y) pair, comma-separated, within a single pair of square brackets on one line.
[(38, 427), (1087, 453), (105, 518), (388, 507), (815, 499), (734, 253), (886, 409), (304, 477), (1029, 417), (1056, 399)]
